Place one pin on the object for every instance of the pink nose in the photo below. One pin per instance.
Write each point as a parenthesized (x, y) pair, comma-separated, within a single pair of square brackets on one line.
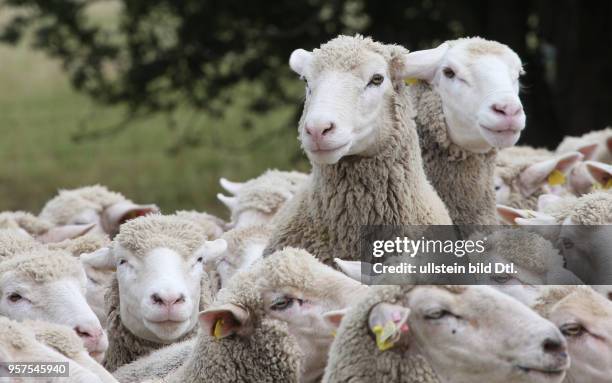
[(510, 109), (318, 130), (167, 300), (91, 336)]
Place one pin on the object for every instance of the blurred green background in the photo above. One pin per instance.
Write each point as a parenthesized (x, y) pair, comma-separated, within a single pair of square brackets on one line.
[(157, 99)]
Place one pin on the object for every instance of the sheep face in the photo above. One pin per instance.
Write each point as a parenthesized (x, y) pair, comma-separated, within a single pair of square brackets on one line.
[(585, 319), (470, 334), (348, 97), (478, 83), (586, 251), (28, 291), (159, 292)]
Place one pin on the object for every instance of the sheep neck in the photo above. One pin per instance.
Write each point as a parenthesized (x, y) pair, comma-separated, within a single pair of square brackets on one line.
[(454, 172)]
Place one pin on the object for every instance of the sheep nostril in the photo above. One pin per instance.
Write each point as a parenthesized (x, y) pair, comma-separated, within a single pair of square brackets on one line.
[(157, 299), (329, 129), (181, 299), (498, 109), (552, 346), (81, 333)]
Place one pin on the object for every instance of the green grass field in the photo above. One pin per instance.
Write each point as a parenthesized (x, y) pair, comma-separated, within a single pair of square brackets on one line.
[(40, 114)]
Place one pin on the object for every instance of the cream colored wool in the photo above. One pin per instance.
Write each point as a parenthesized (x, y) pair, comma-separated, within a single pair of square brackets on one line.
[(510, 163), (43, 265), (355, 358), (267, 354), (238, 240), (590, 209), (13, 242), (87, 243), (268, 192), (140, 236), (602, 154), (26, 221), (454, 172), (387, 188), (213, 227), (69, 203)]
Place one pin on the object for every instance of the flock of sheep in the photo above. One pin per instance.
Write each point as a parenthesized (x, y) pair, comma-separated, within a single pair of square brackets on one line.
[(125, 294)]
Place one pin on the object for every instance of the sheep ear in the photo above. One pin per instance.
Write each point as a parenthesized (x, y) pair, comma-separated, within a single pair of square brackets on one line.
[(232, 187), (422, 65), (101, 259), (536, 175), (61, 233), (540, 219), (211, 250), (609, 144), (602, 173), (388, 322), (121, 212), (225, 320), (230, 202), (588, 151), (545, 200), (300, 60), (508, 214), (334, 318), (351, 268)]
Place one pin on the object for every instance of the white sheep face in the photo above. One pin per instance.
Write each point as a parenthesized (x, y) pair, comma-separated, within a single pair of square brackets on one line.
[(159, 293), (478, 83), (58, 301), (586, 250), (586, 323), (343, 109), (472, 336)]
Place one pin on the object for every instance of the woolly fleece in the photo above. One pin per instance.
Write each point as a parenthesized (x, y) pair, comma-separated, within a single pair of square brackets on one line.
[(603, 154), (23, 220), (387, 188), (590, 209), (213, 227), (13, 242), (43, 265)]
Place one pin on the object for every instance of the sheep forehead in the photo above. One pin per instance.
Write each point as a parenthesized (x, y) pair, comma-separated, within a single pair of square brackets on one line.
[(15, 242), (44, 266), (593, 209), (524, 248), (347, 53), (476, 47), (144, 234), (584, 303)]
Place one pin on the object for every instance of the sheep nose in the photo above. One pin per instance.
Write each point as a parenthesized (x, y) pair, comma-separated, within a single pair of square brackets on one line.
[(318, 130), (167, 299), (554, 346), (89, 334), (509, 109)]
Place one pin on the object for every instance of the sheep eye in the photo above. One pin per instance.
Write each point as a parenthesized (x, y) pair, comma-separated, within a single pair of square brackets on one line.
[(122, 262), (437, 314), (572, 329), (200, 260), (376, 80), (448, 72), (567, 243), (14, 297), (497, 187), (282, 303), (502, 279)]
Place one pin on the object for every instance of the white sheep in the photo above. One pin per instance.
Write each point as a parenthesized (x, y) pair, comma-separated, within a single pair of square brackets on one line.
[(467, 105), (257, 201), (41, 229), (601, 138), (51, 286), (444, 334), (357, 129), (96, 205), (585, 319), (18, 344), (276, 310), (159, 286)]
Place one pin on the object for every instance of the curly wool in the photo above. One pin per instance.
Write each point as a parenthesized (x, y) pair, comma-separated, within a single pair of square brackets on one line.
[(87, 243), (509, 165), (239, 239), (554, 296), (13, 242), (14, 334), (61, 338), (454, 172), (355, 358), (387, 188), (32, 224), (603, 153), (61, 209), (143, 234), (590, 209), (213, 227), (43, 265)]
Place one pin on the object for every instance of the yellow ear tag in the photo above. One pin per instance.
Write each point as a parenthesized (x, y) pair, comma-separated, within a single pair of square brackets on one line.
[(334, 333), (218, 329), (411, 81), (383, 335), (556, 178), (599, 186)]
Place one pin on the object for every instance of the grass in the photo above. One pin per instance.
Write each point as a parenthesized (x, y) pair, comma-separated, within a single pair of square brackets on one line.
[(40, 114)]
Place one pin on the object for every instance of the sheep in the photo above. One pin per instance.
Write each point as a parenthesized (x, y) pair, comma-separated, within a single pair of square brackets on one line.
[(467, 106), (241, 247), (601, 138), (66, 342), (50, 286), (585, 319), (285, 293), (41, 229), (357, 129), (213, 227), (158, 288), (522, 174), (14, 241), (18, 344), (97, 205), (459, 334), (258, 200)]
